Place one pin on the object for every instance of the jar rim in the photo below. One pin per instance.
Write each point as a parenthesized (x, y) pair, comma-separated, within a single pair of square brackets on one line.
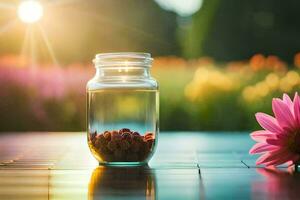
[(123, 59)]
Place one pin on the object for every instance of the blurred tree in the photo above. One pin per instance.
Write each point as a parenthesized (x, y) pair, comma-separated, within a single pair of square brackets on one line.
[(235, 30), (194, 32)]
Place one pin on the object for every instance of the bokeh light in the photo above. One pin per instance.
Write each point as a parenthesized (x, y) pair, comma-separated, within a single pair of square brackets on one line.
[(182, 8)]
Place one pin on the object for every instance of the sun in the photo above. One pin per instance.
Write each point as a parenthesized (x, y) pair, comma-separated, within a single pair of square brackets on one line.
[(30, 11)]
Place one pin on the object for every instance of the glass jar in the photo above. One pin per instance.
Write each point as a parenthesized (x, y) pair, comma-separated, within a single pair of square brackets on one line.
[(122, 109)]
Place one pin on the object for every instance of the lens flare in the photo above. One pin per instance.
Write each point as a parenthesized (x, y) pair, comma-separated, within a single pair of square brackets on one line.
[(30, 11)]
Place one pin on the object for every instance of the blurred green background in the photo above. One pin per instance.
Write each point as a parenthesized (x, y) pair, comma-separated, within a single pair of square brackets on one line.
[(227, 59)]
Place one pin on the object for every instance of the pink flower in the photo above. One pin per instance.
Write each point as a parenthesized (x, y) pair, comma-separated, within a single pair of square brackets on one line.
[(280, 140)]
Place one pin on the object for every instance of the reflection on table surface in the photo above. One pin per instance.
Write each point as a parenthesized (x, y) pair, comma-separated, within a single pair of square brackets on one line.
[(120, 182), (280, 184), (100, 183), (185, 166)]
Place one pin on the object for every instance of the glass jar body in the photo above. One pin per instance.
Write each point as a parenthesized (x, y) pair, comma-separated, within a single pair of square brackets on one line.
[(122, 115)]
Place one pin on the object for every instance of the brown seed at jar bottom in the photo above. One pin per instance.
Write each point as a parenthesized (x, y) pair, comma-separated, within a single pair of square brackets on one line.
[(150, 143), (101, 139), (115, 135), (118, 154), (107, 135), (137, 138), (123, 130), (126, 135), (134, 146), (124, 145), (132, 157), (114, 146), (97, 144), (149, 136), (136, 133)]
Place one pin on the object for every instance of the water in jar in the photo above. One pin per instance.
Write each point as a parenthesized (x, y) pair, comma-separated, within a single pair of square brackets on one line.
[(122, 124)]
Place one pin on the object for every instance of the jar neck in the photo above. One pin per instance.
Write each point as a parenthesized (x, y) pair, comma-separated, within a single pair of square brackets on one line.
[(123, 71), (124, 65)]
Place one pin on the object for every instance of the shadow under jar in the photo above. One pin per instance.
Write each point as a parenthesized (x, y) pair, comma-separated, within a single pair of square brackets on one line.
[(122, 109)]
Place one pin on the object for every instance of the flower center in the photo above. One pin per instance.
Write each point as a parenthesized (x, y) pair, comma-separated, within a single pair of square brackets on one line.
[(294, 142)]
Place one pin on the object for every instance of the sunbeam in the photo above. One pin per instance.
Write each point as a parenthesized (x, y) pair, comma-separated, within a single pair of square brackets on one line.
[(60, 2), (43, 23), (32, 48), (135, 30), (8, 26), (25, 46), (48, 45), (7, 6)]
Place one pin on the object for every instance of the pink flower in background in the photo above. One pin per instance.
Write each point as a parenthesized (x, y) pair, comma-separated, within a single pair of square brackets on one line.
[(280, 140), (42, 92)]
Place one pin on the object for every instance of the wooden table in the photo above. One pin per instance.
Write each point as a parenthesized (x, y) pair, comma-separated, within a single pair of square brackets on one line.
[(186, 165)]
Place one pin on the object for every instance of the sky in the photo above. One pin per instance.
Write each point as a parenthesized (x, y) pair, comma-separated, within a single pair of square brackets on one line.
[(181, 7)]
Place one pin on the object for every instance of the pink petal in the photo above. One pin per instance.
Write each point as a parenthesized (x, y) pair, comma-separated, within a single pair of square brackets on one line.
[(275, 141), (282, 136), (290, 163), (261, 136), (283, 114), (268, 122), (287, 100), (297, 109), (280, 160), (272, 155), (261, 147), (260, 160)]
